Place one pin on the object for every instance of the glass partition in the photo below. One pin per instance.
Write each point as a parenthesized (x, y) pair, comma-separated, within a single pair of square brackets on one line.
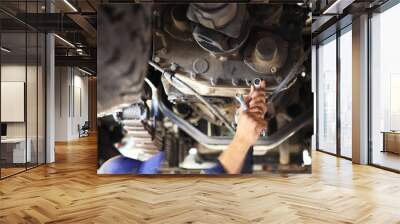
[(32, 87), (14, 153), (41, 109), (31, 98), (23, 91)]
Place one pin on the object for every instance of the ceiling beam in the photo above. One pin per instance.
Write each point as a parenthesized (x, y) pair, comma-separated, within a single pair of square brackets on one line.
[(79, 61)]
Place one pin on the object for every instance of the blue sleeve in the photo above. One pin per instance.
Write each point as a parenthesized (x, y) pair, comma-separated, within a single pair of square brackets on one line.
[(247, 165), (217, 169)]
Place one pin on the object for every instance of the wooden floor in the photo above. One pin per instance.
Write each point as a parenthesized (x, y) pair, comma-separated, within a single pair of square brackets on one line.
[(386, 159), (69, 191), (10, 171)]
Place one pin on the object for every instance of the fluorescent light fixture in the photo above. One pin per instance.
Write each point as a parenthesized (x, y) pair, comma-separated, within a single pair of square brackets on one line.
[(338, 6), (70, 5), (331, 7), (65, 41), (84, 71), (5, 50)]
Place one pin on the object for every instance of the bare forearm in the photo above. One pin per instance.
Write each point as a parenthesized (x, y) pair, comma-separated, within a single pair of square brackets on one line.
[(233, 157), (251, 123)]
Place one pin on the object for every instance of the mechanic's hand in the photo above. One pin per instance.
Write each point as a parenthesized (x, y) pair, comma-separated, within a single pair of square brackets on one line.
[(256, 100), (249, 128), (252, 123)]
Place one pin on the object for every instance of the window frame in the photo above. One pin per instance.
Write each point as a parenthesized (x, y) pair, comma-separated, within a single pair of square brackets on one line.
[(333, 37), (378, 10)]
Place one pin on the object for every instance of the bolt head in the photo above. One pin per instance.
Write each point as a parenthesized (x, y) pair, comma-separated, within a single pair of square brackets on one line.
[(213, 81), (235, 82), (222, 58), (248, 82), (173, 67), (193, 75)]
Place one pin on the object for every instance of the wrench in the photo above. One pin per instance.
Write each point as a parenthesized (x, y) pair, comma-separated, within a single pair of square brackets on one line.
[(257, 84)]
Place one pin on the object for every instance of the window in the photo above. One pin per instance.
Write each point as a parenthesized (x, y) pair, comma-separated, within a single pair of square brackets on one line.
[(385, 88), (327, 96), (346, 93)]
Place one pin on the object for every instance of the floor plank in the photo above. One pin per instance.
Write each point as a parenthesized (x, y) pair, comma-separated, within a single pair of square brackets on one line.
[(69, 191)]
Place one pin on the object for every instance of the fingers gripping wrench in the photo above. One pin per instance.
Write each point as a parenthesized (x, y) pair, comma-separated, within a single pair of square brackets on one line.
[(240, 99)]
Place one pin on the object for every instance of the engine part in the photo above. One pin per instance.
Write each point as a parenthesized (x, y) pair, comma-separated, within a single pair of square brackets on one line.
[(221, 142), (138, 143), (217, 43), (192, 161), (200, 66), (228, 19), (137, 111), (200, 97), (214, 15), (176, 23), (266, 53), (204, 56), (291, 75), (219, 63)]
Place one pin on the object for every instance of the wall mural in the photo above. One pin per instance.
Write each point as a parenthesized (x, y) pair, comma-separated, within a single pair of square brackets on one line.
[(201, 88)]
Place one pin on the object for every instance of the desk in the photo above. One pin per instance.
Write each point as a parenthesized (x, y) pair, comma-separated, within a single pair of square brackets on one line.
[(13, 150), (391, 141)]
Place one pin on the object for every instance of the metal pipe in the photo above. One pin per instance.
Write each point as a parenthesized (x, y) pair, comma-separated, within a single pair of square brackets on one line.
[(200, 97), (270, 141), (283, 85), (220, 142)]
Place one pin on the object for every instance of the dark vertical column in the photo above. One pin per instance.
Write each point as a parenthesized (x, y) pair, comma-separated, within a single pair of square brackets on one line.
[(44, 69), (1, 163), (92, 90), (317, 96), (338, 98), (369, 90), (26, 87), (37, 90)]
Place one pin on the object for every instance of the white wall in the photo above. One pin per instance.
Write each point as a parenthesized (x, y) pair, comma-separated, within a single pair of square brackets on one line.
[(61, 103), (16, 73), (33, 127), (71, 102), (12, 73)]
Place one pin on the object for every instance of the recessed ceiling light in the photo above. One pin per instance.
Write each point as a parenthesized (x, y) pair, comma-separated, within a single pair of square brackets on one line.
[(70, 5), (337, 6), (64, 40), (84, 71)]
